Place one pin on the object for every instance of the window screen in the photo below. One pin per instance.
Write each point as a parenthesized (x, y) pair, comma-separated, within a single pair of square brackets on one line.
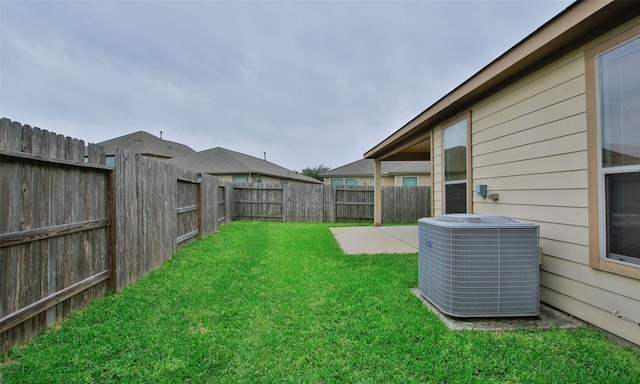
[(619, 124)]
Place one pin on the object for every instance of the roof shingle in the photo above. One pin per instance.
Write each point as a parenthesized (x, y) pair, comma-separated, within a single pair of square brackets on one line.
[(365, 167), (221, 161), (147, 144)]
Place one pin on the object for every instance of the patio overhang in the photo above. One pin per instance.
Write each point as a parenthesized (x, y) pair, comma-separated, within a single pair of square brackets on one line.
[(411, 147)]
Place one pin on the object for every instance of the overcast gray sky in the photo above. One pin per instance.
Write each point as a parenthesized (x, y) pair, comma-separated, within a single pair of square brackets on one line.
[(308, 82)]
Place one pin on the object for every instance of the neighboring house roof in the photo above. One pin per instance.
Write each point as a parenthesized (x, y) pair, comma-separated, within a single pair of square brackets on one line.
[(146, 144), (221, 161), (365, 167)]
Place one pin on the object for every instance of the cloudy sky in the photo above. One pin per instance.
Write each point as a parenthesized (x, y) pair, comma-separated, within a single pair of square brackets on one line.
[(308, 82)]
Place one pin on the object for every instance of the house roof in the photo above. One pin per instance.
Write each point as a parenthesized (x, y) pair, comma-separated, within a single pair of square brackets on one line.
[(146, 144), (365, 167), (580, 23), (221, 161)]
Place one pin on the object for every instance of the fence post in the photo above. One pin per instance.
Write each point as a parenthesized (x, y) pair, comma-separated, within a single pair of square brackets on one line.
[(213, 195), (112, 234), (200, 211), (228, 197)]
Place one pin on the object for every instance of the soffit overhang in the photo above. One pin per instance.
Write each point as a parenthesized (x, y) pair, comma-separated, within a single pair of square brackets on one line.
[(575, 26)]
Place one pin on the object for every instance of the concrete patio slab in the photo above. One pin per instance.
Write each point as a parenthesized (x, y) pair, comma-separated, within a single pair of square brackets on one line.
[(548, 318), (374, 240)]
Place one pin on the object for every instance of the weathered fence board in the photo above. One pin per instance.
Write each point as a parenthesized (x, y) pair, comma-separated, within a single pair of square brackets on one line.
[(328, 203), (146, 204), (405, 204), (354, 204), (258, 202), (303, 203), (53, 230), (188, 202), (225, 196), (214, 203)]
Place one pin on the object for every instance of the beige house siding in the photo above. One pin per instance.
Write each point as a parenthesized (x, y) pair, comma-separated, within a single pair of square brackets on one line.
[(387, 181), (365, 180), (529, 145)]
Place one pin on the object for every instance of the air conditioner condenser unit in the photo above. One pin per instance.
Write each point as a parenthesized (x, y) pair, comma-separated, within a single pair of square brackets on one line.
[(472, 265)]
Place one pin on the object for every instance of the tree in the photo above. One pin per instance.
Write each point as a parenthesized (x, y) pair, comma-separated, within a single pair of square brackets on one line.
[(315, 171)]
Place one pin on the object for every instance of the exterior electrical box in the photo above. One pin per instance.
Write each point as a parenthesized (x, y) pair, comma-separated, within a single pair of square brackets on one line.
[(472, 265)]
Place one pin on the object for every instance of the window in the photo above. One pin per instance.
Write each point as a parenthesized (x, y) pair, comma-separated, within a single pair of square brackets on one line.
[(257, 179), (409, 181), (239, 179), (455, 167), (618, 134), (344, 181)]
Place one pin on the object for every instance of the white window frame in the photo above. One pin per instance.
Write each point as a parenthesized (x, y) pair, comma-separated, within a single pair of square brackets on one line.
[(343, 181), (467, 119), (597, 221), (604, 171)]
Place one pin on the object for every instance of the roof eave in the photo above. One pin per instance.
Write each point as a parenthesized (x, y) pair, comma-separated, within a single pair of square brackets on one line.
[(575, 24)]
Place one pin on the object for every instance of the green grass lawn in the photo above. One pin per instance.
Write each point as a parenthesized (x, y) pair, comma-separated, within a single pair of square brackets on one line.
[(272, 302)]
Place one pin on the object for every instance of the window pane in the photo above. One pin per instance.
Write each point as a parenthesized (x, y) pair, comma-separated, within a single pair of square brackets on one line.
[(351, 182), (336, 181), (455, 152), (456, 198), (239, 179), (620, 105), (623, 216), (409, 181)]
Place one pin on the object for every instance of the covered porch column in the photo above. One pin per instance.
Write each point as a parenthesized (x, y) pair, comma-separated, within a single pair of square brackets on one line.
[(377, 193), (401, 146)]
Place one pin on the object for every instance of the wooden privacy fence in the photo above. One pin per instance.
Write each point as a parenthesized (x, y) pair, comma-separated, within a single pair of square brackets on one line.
[(54, 229), (328, 203), (70, 230)]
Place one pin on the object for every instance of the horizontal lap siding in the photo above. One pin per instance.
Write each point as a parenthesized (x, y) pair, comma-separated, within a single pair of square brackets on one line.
[(529, 145)]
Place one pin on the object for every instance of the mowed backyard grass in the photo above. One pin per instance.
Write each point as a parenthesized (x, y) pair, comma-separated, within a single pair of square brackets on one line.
[(273, 302)]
